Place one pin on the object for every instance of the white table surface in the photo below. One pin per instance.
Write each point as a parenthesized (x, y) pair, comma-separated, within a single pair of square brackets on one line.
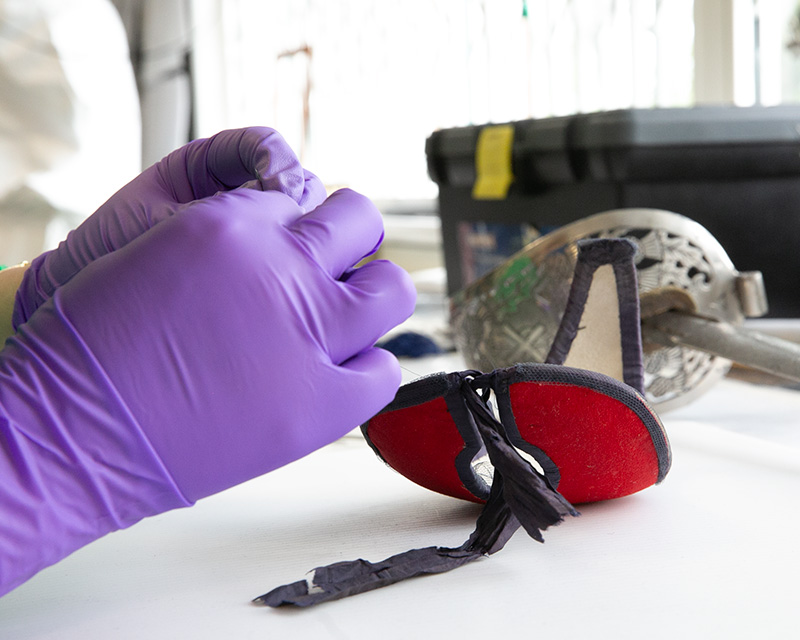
[(712, 552)]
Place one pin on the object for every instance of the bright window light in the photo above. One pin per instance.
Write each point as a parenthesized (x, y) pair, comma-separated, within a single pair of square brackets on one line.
[(357, 86)]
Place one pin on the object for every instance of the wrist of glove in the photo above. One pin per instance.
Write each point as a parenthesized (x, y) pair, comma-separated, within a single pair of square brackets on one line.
[(74, 465), (127, 394)]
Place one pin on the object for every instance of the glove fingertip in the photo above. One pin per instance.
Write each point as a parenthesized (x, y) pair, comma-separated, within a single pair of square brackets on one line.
[(314, 192), (376, 376)]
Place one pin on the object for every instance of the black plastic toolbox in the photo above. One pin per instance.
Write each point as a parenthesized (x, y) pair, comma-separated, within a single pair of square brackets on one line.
[(735, 170)]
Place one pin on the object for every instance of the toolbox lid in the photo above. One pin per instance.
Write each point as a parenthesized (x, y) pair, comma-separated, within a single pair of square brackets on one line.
[(632, 145)]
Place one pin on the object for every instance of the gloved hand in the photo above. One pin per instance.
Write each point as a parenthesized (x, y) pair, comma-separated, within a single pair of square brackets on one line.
[(256, 157), (228, 340)]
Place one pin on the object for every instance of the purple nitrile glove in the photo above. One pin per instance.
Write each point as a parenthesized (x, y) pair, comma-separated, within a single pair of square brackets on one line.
[(228, 340), (256, 157)]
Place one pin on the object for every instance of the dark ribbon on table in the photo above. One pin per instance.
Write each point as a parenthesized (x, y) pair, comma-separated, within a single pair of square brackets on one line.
[(519, 496)]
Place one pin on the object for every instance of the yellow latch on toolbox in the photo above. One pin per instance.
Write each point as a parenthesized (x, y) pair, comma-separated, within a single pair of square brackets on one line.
[(494, 173)]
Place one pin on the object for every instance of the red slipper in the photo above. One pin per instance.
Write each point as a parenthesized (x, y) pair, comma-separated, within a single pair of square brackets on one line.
[(594, 438)]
